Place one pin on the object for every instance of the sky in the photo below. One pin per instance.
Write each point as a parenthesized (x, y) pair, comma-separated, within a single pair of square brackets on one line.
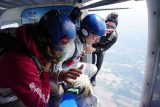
[(130, 20), (133, 22), (132, 42)]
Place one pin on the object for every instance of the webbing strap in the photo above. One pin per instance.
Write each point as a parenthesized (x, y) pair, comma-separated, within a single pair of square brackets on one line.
[(38, 64)]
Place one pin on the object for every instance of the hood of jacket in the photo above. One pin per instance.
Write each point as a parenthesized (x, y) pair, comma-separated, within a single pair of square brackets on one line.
[(27, 38)]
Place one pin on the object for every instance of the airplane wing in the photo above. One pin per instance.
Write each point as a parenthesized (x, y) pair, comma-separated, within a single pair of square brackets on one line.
[(102, 3), (8, 4), (107, 9), (105, 2)]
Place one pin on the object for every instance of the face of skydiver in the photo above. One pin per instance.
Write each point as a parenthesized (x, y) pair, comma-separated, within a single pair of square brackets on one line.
[(111, 26), (92, 38)]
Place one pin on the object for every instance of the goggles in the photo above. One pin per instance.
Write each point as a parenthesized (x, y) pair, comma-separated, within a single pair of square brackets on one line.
[(56, 49), (57, 52), (60, 47), (111, 25)]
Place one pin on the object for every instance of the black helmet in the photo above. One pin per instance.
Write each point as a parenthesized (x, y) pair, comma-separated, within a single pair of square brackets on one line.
[(112, 17)]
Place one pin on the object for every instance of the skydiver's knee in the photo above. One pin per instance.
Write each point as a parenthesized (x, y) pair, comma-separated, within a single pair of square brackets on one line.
[(93, 70), (89, 69), (56, 89)]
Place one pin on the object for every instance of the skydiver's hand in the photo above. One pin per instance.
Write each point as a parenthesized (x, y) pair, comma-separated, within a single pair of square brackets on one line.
[(72, 74), (90, 49), (47, 67)]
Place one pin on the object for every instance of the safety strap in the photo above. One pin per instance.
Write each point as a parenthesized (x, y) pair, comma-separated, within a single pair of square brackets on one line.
[(38, 64)]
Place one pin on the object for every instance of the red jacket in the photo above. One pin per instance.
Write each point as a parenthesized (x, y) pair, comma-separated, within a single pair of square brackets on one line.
[(19, 73)]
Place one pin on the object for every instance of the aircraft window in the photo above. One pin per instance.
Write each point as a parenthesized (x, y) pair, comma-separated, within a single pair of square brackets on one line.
[(32, 15), (9, 25)]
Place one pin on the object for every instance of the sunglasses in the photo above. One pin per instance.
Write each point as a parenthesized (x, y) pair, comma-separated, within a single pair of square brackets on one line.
[(111, 27)]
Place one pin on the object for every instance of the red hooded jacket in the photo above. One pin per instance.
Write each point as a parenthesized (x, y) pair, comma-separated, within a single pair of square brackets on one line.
[(19, 73)]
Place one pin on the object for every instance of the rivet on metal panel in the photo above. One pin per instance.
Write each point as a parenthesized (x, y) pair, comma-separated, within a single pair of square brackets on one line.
[(154, 13)]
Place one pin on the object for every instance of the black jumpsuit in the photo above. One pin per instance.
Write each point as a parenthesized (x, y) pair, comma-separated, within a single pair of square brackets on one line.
[(105, 43)]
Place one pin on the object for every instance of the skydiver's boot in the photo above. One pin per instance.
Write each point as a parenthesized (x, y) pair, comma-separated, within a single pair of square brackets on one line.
[(93, 81)]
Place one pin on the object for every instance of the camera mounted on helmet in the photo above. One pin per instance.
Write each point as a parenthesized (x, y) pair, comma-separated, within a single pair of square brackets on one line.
[(75, 13)]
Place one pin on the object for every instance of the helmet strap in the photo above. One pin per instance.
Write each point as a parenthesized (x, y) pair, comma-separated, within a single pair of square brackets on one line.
[(81, 37)]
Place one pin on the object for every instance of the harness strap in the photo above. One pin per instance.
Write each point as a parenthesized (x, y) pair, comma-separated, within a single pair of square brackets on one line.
[(38, 64)]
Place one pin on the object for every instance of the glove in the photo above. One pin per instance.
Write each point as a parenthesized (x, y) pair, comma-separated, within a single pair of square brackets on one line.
[(83, 83)]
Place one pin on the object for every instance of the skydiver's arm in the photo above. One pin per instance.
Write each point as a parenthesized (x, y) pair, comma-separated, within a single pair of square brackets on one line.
[(33, 90), (100, 47)]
